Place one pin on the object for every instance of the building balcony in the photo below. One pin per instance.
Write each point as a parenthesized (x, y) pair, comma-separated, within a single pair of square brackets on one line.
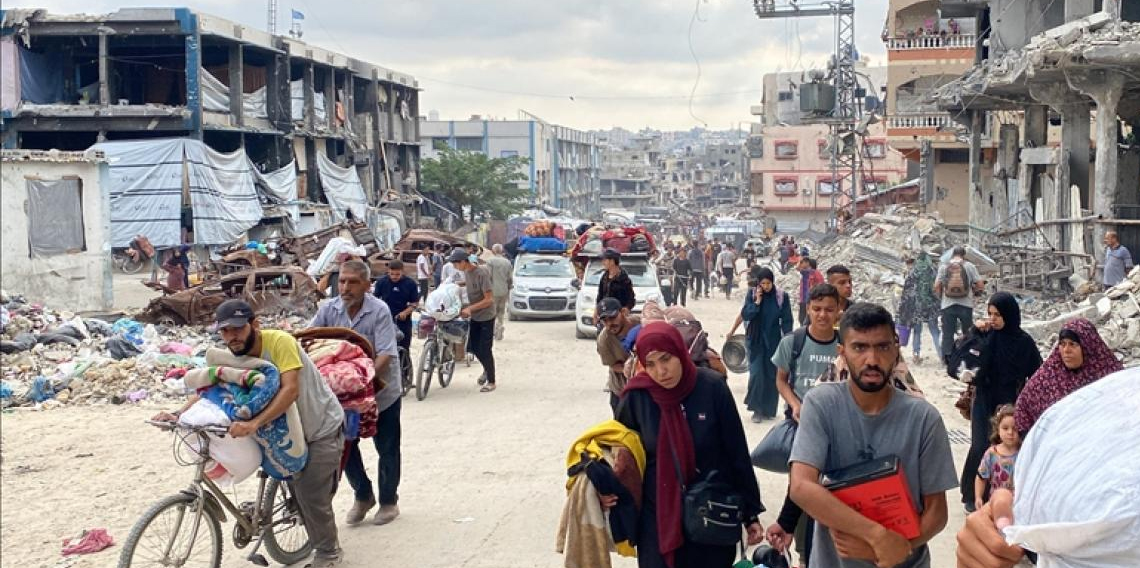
[(949, 41), (919, 121)]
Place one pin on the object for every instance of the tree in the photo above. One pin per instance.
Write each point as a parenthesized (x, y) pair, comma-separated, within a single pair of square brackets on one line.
[(483, 185)]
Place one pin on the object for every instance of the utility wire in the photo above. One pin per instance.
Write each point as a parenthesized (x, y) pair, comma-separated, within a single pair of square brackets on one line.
[(697, 81)]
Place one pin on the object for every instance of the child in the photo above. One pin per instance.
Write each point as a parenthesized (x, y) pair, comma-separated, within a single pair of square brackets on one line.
[(996, 469)]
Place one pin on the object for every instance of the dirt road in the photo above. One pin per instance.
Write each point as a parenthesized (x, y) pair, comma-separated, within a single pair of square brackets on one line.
[(483, 474)]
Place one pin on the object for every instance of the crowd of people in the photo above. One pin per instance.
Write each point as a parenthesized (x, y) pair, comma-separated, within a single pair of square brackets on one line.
[(849, 399), (839, 368)]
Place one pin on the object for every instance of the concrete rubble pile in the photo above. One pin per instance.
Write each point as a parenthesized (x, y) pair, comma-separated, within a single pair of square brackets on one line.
[(1115, 312), (874, 246), (55, 358)]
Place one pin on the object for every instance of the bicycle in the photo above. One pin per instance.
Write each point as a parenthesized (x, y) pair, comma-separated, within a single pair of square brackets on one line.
[(157, 538), (128, 264), (438, 352), (407, 379)]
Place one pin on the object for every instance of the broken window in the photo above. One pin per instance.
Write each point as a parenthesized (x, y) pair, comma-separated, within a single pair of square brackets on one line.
[(785, 96), (786, 150), (55, 216), (785, 186), (875, 150), (826, 186), (824, 153)]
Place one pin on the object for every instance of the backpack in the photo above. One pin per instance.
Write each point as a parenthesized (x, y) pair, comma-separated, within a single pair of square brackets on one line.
[(956, 283), (696, 339)]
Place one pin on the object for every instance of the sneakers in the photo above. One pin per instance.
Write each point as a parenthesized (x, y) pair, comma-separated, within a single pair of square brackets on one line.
[(358, 510), (386, 514)]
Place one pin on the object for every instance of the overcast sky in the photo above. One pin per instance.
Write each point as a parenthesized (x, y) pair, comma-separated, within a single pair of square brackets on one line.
[(625, 62)]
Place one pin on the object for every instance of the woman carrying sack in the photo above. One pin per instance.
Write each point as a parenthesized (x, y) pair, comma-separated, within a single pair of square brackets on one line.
[(693, 438)]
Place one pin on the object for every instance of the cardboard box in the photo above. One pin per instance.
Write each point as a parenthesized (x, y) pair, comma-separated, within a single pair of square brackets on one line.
[(877, 489)]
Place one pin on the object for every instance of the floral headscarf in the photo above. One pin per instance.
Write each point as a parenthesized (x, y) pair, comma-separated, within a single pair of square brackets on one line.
[(1054, 381)]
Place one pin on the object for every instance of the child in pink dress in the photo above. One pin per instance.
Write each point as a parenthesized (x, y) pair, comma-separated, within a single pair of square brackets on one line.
[(996, 468)]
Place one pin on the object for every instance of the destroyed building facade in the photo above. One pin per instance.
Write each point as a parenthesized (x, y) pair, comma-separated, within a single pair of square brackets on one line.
[(564, 163), (139, 74), (1058, 82)]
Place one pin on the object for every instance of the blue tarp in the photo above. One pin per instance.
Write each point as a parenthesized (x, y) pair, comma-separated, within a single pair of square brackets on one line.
[(41, 77)]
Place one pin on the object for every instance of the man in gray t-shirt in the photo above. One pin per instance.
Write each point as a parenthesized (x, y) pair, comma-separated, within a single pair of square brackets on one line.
[(820, 347), (842, 424), (481, 310)]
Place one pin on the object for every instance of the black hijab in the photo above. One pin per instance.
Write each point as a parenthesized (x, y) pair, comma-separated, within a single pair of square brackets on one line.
[(1010, 356)]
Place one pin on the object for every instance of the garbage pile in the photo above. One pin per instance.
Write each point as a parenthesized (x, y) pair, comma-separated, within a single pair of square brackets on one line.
[(55, 358), (1115, 312)]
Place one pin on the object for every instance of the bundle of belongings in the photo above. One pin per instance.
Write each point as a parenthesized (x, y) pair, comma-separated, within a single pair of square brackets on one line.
[(607, 459), (444, 303), (545, 228), (691, 331), (622, 239), (239, 388), (541, 244), (345, 360)]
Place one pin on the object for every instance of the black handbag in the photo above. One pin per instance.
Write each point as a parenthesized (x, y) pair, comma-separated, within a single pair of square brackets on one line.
[(773, 451), (712, 511)]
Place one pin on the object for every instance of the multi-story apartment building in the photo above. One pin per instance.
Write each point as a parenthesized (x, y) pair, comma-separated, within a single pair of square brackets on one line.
[(791, 177), (137, 74), (926, 48), (630, 176), (563, 168)]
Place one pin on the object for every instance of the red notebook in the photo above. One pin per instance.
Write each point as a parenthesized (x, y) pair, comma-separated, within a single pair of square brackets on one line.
[(877, 489)]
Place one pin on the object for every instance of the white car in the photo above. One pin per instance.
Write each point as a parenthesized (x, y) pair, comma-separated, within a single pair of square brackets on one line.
[(645, 284), (545, 287)]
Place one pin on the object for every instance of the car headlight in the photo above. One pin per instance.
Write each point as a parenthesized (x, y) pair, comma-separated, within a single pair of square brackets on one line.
[(522, 288), (587, 299)]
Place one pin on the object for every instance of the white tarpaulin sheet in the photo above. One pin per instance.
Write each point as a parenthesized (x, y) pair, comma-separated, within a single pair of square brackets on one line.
[(342, 189), (253, 104), (145, 189), (297, 100), (216, 97), (222, 194), (386, 226), (280, 186)]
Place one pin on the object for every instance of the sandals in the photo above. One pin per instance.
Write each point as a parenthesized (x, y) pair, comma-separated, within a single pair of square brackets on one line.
[(487, 387)]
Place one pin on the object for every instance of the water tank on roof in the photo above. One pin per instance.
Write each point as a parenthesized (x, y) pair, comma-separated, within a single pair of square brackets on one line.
[(818, 98)]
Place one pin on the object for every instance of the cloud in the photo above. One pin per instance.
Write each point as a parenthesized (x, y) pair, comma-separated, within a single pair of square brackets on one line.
[(619, 59)]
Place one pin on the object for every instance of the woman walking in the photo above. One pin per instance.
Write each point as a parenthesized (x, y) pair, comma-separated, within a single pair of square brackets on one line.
[(1009, 358), (682, 275), (1081, 357), (919, 305), (689, 427), (768, 315)]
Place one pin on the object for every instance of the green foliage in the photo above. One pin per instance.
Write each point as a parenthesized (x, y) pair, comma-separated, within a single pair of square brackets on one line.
[(488, 186)]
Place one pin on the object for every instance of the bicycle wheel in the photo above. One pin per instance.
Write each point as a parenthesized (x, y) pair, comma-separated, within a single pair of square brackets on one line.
[(286, 539), (173, 533), (132, 265), (427, 368), (407, 373), (447, 367)]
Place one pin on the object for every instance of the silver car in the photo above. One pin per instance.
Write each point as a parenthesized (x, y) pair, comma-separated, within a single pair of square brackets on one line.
[(544, 287)]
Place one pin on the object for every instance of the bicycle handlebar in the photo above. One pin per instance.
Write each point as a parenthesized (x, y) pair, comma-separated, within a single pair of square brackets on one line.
[(215, 429)]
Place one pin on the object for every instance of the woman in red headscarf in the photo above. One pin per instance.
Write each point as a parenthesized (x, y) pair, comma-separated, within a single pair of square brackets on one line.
[(1080, 357), (688, 422)]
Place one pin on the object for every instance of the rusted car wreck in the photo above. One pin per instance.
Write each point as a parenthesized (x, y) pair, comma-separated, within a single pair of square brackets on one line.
[(270, 291)]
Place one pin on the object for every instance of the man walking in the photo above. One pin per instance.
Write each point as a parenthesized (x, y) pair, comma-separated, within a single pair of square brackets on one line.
[(840, 277), (682, 275), (322, 419), (424, 271), (700, 275), (481, 311), (957, 283), (367, 315), (810, 277), (617, 324), (726, 265), (402, 296), (615, 282), (1117, 260), (502, 280), (862, 419)]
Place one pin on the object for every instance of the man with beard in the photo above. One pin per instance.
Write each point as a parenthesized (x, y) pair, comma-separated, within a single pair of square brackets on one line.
[(372, 318), (861, 419), (616, 326), (321, 418)]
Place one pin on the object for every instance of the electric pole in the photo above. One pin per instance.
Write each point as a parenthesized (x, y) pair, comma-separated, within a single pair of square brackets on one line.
[(272, 27)]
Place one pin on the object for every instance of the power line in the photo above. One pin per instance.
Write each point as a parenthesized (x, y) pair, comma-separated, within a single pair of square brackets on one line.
[(697, 81)]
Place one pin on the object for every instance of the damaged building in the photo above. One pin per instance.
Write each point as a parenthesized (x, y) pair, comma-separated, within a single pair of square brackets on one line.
[(1059, 83), (175, 93)]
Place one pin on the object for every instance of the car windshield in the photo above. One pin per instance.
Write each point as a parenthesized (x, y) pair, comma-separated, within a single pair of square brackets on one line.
[(639, 273), (544, 267)]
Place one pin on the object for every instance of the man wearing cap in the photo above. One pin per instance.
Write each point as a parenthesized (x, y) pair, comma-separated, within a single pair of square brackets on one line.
[(481, 310), (369, 316), (617, 324), (321, 418), (615, 282)]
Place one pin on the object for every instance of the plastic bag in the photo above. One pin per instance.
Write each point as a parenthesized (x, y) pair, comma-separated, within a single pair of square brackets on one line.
[(445, 302), (773, 451), (240, 457), (1077, 480)]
